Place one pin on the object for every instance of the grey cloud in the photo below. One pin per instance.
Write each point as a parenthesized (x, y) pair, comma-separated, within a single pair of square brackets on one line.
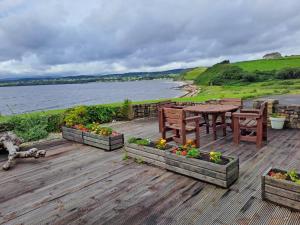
[(42, 35)]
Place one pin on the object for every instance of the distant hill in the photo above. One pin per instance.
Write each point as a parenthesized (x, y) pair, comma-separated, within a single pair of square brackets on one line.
[(255, 70), (91, 78)]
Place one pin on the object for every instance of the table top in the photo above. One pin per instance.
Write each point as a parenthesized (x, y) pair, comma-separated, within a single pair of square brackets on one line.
[(211, 108)]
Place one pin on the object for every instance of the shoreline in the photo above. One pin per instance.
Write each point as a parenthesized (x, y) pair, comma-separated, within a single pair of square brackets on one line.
[(190, 89)]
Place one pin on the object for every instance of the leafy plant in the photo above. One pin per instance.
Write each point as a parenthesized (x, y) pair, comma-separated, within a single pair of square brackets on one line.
[(161, 144), (105, 131), (139, 141), (126, 109), (193, 153), (215, 157), (76, 115), (143, 142), (292, 174), (100, 114), (125, 156), (132, 140), (30, 127), (276, 115), (139, 160)]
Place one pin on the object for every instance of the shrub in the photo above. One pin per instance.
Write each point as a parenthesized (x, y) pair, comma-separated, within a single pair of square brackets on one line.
[(126, 109), (100, 114), (288, 73), (30, 127), (54, 122), (250, 77), (76, 115), (229, 74)]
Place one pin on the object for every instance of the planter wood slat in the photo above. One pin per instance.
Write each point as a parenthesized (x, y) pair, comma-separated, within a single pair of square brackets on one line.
[(282, 192), (72, 134), (103, 142), (207, 171)]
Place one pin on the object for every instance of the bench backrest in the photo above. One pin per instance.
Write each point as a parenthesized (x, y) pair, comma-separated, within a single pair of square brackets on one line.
[(232, 101)]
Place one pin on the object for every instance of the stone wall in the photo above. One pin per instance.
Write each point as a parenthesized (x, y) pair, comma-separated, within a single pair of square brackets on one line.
[(151, 109), (291, 112)]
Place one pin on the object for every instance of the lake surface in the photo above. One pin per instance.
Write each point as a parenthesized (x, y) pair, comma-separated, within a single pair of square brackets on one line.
[(24, 99)]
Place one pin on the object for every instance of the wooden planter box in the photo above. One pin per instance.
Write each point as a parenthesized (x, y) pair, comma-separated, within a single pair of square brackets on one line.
[(282, 192), (103, 142), (221, 175)]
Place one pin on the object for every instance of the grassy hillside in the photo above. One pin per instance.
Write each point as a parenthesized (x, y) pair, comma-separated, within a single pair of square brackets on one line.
[(264, 69), (193, 74), (249, 91), (269, 64)]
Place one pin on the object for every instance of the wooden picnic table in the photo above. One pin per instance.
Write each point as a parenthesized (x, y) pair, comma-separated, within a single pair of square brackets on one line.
[(215, 110)]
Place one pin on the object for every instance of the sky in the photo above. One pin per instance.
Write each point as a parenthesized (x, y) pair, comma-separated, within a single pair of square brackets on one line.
[(67, 37)]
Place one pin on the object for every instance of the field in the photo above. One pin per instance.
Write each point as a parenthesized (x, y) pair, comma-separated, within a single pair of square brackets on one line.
[(249, 91), (269, 64)]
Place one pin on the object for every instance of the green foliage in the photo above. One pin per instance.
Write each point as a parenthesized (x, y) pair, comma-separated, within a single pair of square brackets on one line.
[(31, 127), (54, 122), (132, 140), (143, 142), (193, 153), (139, 160), (293, 175), (138, 141), (276, 115), (100, 113), (76, 115), (125, 156), (288, 73), (215, 157), (126, 109)]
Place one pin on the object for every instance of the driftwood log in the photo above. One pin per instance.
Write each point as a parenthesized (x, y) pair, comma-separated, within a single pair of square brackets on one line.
[(11, 142)]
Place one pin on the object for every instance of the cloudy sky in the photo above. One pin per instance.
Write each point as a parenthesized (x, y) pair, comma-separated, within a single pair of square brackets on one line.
[(67, 37)]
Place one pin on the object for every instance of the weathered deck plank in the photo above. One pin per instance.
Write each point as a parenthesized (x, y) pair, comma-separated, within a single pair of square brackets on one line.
[(76, 184)]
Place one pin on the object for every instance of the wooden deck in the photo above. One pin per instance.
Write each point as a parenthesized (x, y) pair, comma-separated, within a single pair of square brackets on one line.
[(77, 184)]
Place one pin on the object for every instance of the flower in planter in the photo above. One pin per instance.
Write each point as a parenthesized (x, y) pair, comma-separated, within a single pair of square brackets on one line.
[(81, 127), (278, 175), (215, 157), (105, 131), (184, 153), (174, 149), (161, 144), (189, 144), (290, 175)]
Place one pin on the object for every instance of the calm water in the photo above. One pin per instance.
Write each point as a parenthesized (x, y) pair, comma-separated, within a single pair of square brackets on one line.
[(44, 97)]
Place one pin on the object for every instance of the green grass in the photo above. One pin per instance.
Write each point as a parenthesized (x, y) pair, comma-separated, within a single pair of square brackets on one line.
[(194, 73), (269, 64), (205, 77), (254, 90)]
